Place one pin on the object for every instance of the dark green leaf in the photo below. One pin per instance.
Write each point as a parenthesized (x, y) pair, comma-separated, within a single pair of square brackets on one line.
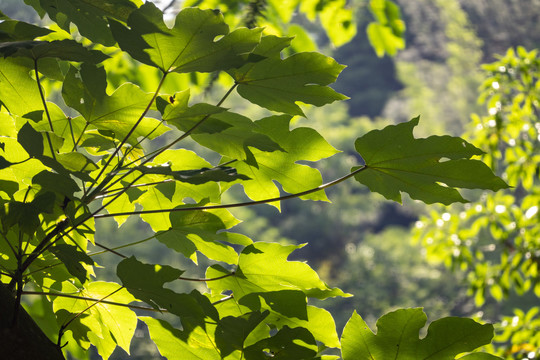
[(278, 84), (31, 140), (190, 45), (12, 30), (57, 183), (146, 283), (287, 344), (73, 258), (89, 15), (26, 215), (397, 162), (4, 163), (61, 49), (231, 331), (288, 303)]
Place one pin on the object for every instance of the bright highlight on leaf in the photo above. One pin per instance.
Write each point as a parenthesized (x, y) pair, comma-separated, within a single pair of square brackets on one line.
[(190, 45), (397, 162)]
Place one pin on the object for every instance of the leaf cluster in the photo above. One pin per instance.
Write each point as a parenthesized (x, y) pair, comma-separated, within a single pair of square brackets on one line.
[(104, 151)]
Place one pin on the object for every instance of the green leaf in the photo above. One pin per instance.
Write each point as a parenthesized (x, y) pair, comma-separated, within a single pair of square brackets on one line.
[(145, 280), (27, 215), (116, 113), (74, 259), (20, 94), (277, 84), (232, 332), (146, 283), (90, 16), (287, 344), (238, 136), (13, 30), (175, 111), (264, 267), (480, 356), (190, 45), (192, 345), (105, 324), (31, 140), (4, 163), (386, 35), (398, 337), (61, 49), (55, 182), (397, 162), (338, 20), (282, 166), (200, 231), (169, 195)]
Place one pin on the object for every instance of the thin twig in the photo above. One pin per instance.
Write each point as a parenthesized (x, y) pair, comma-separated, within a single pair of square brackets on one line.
[(98, 301), (137, 307), (132, 130), (242, 204)]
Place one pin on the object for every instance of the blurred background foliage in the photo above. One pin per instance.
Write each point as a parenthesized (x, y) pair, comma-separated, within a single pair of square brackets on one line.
[(469, 69)]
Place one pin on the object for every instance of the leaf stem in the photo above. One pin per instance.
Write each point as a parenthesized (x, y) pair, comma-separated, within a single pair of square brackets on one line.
[(210, 279), (242, 204), (43, 97)]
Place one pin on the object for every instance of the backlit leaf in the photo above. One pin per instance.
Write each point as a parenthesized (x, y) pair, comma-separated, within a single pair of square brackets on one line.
[(190, 45), (398, 337), (397, 162), (264, 267), (277, 84), (90, 16), (106, 324), (192, 345)]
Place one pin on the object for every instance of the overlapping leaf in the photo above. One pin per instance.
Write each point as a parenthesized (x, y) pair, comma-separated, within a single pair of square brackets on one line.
[(195, 345), (398, 337), (146, 282), (264, 267), (90, 16), (281, 166), (117, 113), (190, 45), (103, 323), (18, 91), (202, 231), (277, 84), (60, 49), (397, 162)]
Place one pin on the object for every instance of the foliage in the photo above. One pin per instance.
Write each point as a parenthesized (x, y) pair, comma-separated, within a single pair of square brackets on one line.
[(496, 238), (116, 154)]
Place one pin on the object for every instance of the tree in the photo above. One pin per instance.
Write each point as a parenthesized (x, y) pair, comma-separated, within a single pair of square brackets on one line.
[(496, 238), (101, 151)]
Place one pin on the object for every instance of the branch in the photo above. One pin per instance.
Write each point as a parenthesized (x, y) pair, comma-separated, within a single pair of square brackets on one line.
[(125, 139), (211, 279), (43, 293), (242, 204)]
